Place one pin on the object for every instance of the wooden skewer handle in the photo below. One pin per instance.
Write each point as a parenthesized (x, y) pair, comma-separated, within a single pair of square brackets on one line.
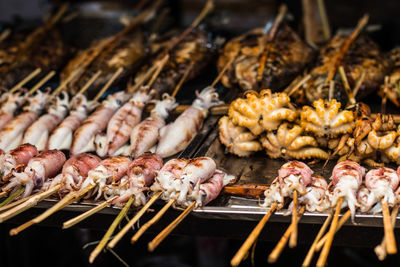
[(252, 237), (389, 234), (164, 233)]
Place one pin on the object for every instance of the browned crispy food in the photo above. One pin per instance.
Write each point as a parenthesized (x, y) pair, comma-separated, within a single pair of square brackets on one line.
[(128, 51), (18, 59), (363, 56), (393, 87), (195, 49), (287, 56)]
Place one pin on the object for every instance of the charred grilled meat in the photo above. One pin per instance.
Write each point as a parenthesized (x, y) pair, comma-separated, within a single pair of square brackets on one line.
[(363, 56), (127, 51), (195, 49), (287, 56), (392, 90)]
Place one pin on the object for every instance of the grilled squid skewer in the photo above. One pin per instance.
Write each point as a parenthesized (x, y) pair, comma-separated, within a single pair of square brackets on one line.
[(316, 198), (14, 158), (97, 122), (10, 106), (61, 137), (347, 177), (145, 135), (381, 183), (176, 136), (140, 176), (11, 135), (40, 168), (74, 171), (38, 133), (121, 124), (108, 171)]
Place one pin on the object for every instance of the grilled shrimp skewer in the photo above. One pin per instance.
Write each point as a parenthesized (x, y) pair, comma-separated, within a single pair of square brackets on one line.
[(38, 133), (61, 137), (11, 135), (14, 158), (40, 168), (121, 124), (145, 135), (83, 140), (175, 136)]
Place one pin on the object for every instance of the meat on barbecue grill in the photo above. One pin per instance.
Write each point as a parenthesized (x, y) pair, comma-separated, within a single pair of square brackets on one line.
[(288, 55)]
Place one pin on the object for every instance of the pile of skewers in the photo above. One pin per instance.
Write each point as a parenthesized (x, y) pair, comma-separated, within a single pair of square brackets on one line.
[(118, 181), (351, 186)]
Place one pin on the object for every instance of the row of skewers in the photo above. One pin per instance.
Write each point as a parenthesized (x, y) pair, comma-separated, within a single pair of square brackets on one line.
[(351, 186), (117, 181)]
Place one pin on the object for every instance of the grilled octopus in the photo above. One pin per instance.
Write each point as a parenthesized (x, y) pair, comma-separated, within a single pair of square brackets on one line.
[(287, 56)]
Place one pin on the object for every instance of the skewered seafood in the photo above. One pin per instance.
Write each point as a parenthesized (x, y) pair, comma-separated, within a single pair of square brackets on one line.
[(237, 140), (61, 137), (121, 124), (194, 52), (84, 136), (391, 90), (74, 172), (9, 106), (144, 136), (15, 158), (40, 168), (316, 198), (38, 133), (108, 171), (263, 111), (326, 119), (363, 56), (175, 136), (289, 142), (11, 136), (381, 183), (287, 56), (347, 177), (140, 176)]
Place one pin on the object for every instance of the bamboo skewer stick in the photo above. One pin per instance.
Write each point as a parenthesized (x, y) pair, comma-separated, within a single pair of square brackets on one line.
[(41, 82), (342, 220), (25, 80), (276, 252), (183, 79), (332, 230), (310, 253), (160, 67), (108, 84), (384, 96), (391, 247), (144, 78), (137, 216), (346, 85), (110, 230), (90, 82), (4, 193), (268, 37), (295, 219), (224, 70), (324, 19), (153, 220), (299, 84), (64, 83), (241, 253), (380, 250), (167, 230), (28, 203), (68, 199), (16, 203), (4, 34), (358, 84), (13, 196), (87, 214), (335, 64)]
